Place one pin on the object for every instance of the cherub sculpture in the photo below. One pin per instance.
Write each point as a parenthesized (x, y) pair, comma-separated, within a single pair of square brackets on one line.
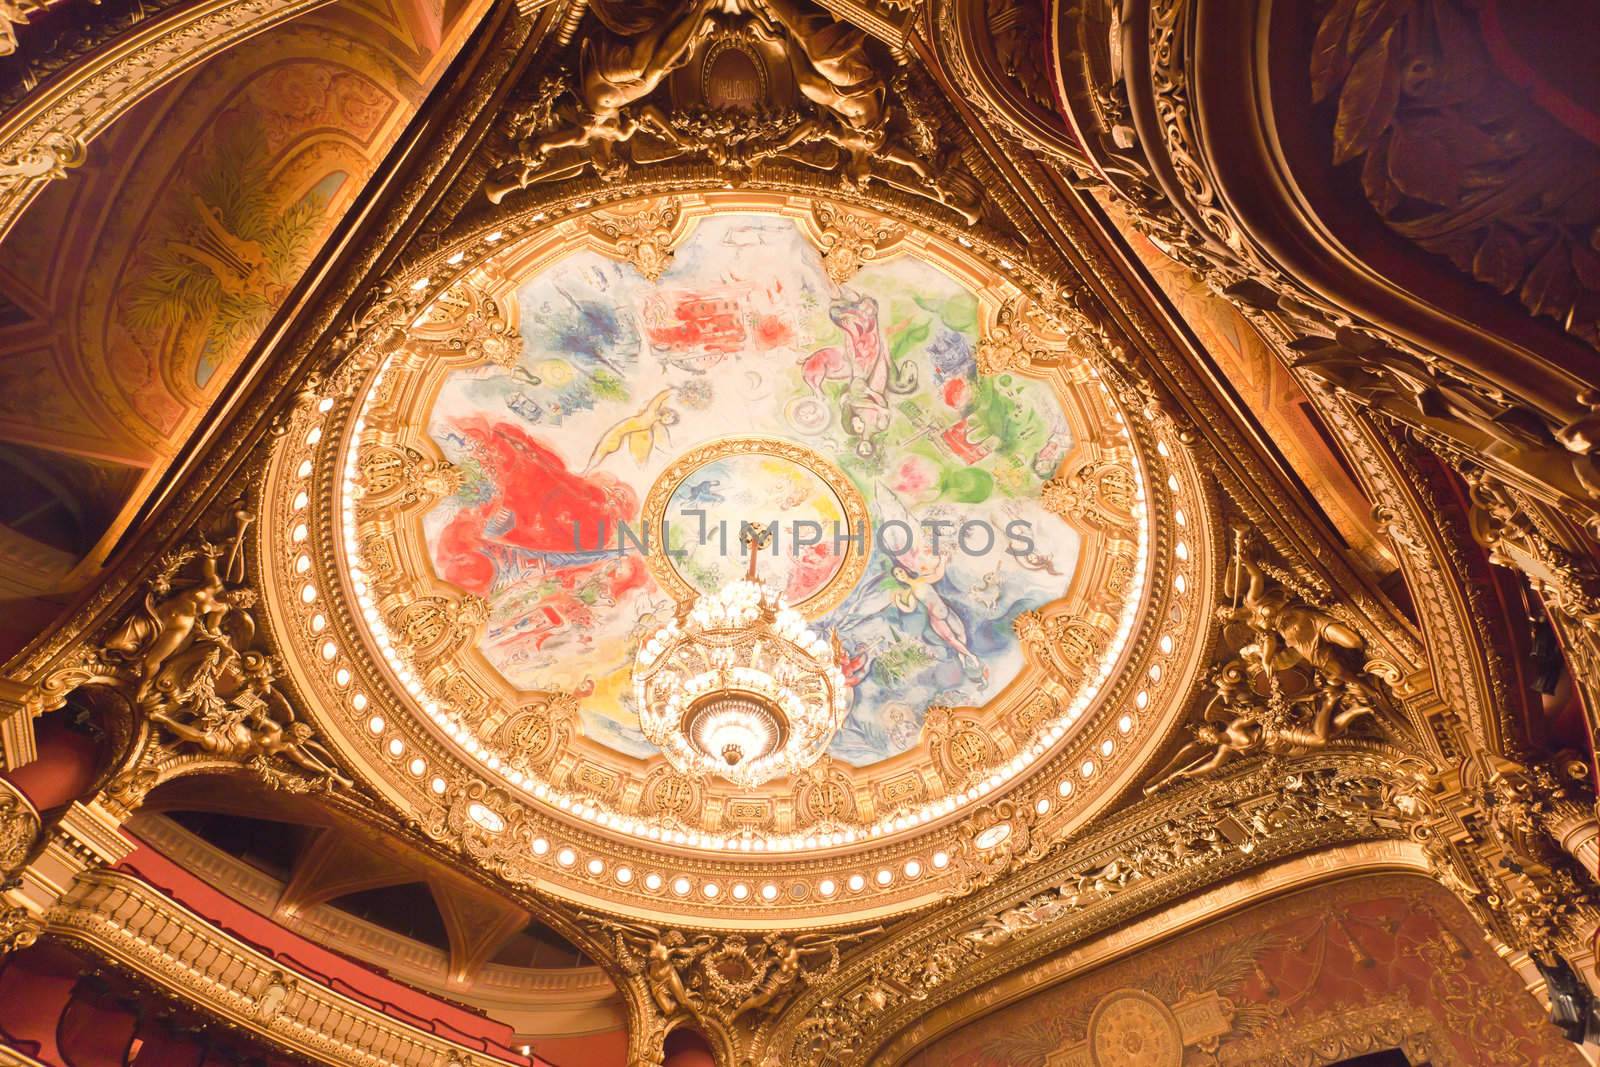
[(246, 731), (1289, 631), (173, 621), (639, 45), (787, 957), (662, 957), (1285, 633), (833, 69), (1231, 728)]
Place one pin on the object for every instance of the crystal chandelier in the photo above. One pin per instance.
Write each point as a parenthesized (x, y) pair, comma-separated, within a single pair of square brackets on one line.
[(739, 686)]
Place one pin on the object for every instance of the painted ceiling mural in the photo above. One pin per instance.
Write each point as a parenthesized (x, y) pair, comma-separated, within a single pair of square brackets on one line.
[(161, 270), (1304, 978), (608, 473)]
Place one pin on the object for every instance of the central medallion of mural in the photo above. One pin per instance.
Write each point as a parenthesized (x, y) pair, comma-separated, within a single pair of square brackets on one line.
[(608, 473), (701, 505)]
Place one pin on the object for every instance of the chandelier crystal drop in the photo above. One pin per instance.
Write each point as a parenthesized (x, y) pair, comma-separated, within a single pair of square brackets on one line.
[(740, 686)]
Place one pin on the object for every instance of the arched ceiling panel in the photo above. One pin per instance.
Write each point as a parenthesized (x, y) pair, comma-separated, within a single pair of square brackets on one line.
[(141, 280)]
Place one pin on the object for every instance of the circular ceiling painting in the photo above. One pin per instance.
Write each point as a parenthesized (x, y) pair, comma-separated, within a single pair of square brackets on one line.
[(607, 475), (503, 516)]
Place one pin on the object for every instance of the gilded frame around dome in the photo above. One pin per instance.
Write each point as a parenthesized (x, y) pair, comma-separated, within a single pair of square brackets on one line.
[(605, 838)]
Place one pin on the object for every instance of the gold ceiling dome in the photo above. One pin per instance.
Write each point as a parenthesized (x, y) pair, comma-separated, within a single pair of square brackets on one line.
[(988, 558), (468, 558)]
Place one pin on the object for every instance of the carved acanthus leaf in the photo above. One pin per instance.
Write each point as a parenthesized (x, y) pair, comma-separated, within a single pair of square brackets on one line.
[(1459, 160)]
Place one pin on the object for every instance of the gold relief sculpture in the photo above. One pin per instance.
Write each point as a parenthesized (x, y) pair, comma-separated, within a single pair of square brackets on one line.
[(903, 978), (487, 826), (1253, 710), (901, 791), (1121, 572), (1016, 342), (19, 829), (1017, 28), (637, 47), (431, 628), (671, 796), (188, 619), (48, 160), (536, 734), (275, 989), (378, 554), (850, 240), (1134, 1029), (245, 730), (729, 983), (398, 477), (825, 796), (960, 748), (643, 237), (995, 840), (1428, 394), (1065, 644), (834, 71), (205, 697), (1101, 492), (19, 928), (611, 117), (470, 330), (1289, 632), (1505, 523), (590, 779), (463, 694), (1042, 707)]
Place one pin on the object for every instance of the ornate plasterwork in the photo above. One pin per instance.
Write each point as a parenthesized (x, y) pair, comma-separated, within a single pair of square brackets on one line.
[(1454, 158), (47, 135), (1143, 138), (646, 92), (1138, 864), (1297, 679), (19, 829), (137, 926), (584, 785), (1078, 892)]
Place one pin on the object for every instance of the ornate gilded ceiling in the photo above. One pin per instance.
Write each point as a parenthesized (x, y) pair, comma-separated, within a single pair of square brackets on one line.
[(643, 273), (447, 591)]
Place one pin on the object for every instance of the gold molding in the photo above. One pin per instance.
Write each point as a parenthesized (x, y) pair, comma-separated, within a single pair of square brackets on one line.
[(1084, 772), (50, 133), (137, 926)]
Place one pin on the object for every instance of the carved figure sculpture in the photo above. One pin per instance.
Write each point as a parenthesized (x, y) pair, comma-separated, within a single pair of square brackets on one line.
[(171, 620), (662, 957), (833, 70), (639, 46), (1289, 632), (1286, 633), (245, 727), (787, 958), (195, 675), (1231, 728)]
